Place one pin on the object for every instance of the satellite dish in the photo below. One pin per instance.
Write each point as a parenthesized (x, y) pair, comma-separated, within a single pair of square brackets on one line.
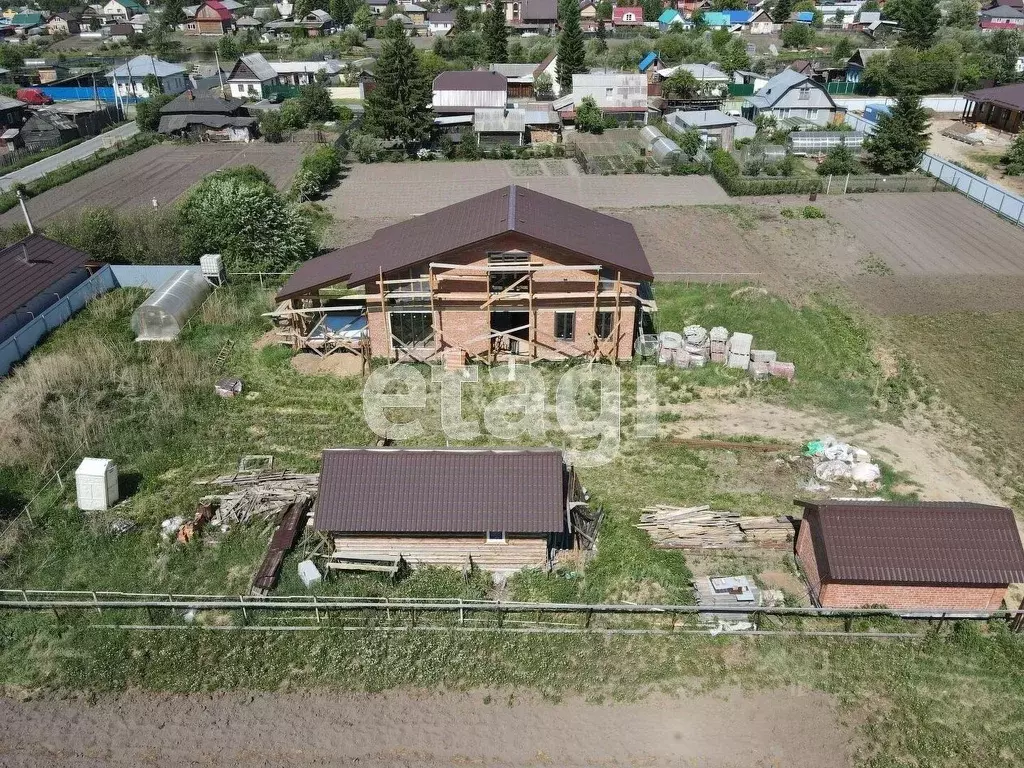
[(773, 50)]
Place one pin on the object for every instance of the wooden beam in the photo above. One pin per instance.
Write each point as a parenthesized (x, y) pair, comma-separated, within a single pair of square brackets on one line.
[(497, 296)]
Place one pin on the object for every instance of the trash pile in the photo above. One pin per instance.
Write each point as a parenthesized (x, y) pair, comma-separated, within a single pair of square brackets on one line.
[(696, 346), (835, 461)]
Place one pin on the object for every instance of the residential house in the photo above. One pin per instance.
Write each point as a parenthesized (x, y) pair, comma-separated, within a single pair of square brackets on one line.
[(669, 18), (1001, 107), (121, 10), (529, 13), (759, 22), (800, 17), (89, 116), (377, 6), (856, 64), (417, 14), (316, 23), (246, 23), (649, 64), (64, 23), (27, 20), (627, 16), (52, 73), (818, 71), (548, 266), (716, 128), (1001, 17), (549, 67), (121, 32), (519, 78), (44, 130), (440, 23), (931, 555), (746, 77), (13, 113), (208, 116), (1011, 3), (704, 73), (494, 128), (872, 24), (621, 96), (139, 22), (211, 19), (588, 14), (129, 78), (791, 94), (730, 20), (463, 92), (254, 77), (496, 509)]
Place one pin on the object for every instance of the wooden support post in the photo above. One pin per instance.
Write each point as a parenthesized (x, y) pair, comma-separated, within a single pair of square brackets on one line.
[(532, 333), (435, 317), (590, 616), (384, 310), (597, 290), (618, 317)]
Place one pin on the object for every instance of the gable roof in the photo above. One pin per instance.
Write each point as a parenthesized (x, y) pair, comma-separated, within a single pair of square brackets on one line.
[(699, 71), (540, 10), (441, 490), (1008, 96), (201, 103), (652, 57), (862, 55), (31, 265), (218, 8), (594, 237), (621, 10), (141, 66), (772, 92), (470, 80), (257, 64), (998, 12), (546, 62), (947, 543)]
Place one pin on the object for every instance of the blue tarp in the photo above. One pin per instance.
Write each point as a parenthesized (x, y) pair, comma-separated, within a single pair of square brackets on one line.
[(650, 58)]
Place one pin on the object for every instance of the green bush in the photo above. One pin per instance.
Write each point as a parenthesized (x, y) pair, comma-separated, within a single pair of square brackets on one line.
[(813, 212), (318, 170), (726, 171), (787, 213)]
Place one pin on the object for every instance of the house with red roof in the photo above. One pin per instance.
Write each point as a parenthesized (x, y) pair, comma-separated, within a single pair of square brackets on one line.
[(627, 16), (211, 18)]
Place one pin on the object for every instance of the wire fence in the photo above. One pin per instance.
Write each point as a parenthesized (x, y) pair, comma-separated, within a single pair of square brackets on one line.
[(141, 610)]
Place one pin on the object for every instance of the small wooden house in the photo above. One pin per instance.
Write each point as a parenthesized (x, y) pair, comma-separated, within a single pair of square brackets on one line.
[(211, 18), (909, 556), (496, 509)]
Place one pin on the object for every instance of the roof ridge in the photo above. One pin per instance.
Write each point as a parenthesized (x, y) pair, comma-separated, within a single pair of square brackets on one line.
[(511, 221)]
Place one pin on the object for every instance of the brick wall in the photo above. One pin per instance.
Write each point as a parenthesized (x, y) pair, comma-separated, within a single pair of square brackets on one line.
[(808, 562), (463, 323)]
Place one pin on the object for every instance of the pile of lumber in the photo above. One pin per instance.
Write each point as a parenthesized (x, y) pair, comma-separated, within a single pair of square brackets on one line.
[(704, 528), (259, 495)]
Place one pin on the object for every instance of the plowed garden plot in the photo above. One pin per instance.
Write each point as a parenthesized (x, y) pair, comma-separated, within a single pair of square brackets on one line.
[(160, 173)]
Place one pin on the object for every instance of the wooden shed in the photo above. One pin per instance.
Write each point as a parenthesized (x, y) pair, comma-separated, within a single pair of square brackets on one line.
[(497, 509), (955, 556)]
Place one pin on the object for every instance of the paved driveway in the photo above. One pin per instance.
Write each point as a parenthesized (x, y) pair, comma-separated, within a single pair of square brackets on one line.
[(397, 190)]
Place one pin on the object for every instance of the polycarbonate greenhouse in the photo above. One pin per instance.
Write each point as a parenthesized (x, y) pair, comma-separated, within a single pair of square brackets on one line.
[(162, 316), (665, 151)]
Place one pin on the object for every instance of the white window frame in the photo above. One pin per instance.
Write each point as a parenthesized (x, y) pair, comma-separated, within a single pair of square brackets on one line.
[(495, 537), (812, 114)]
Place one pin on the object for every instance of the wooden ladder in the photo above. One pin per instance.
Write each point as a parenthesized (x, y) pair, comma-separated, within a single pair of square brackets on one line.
[(222, 356)]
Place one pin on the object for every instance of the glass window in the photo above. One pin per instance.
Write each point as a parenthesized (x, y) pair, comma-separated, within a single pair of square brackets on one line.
[(499, 281), (604, 325), (495, 537), (411, 327), (565, 326)]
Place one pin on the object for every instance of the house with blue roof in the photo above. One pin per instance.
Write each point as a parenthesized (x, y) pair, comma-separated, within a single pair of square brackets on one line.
[(671, 17), (648, 61), (802, 17)]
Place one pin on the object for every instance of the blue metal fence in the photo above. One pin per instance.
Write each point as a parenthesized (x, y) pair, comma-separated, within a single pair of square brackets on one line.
[(21, 343), (990, 195), (68, 93)]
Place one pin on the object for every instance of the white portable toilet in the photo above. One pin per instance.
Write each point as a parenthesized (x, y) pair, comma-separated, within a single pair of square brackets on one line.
[(96, 484)]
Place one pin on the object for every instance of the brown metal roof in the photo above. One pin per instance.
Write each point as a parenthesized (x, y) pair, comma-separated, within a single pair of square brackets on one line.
[(29, 266), (470, 80), (441, 490), (940, 543), (594, 237), (1008, 96)]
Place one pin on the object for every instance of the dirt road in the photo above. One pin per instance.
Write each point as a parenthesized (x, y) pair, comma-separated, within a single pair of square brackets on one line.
[(791, 728)]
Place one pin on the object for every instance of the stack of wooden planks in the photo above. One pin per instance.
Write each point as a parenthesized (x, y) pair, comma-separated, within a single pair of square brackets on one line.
[(262, 495), (704, 528)]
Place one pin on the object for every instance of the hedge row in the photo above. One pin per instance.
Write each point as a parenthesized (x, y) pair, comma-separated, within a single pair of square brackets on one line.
[(726, 171), (318, 170)]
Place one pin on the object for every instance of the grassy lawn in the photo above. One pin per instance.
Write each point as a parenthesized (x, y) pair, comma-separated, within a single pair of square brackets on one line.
[(90, 389)]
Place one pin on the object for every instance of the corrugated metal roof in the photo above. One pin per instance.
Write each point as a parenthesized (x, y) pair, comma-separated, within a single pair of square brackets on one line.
[(595, 237), (409, 490), (259, 66), (193, 102), (31, 265), (499, 120), (470, 80), (942, 543)]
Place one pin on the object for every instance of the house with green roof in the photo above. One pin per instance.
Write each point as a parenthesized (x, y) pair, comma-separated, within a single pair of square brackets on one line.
[(121, 10)]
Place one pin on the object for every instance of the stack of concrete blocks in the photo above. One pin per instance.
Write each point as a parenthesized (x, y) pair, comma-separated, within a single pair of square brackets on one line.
[(782, 370), (760, 363), (670, 349), (697, 345), (718, 338), (738, 350)]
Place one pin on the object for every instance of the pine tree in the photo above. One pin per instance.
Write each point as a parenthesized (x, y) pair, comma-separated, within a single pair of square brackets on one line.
[(173, 14), (900, 138), (602, 37), (398, 107), (496, 34), (571, 51), (341, 11), (920, 21), (782, 11), (463, 22)]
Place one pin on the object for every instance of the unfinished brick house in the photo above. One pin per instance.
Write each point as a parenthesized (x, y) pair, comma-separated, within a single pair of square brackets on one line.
[(495, 509), (512, 273), (915, 556)]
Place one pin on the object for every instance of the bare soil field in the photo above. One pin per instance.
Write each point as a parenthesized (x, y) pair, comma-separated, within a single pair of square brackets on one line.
[(399, 190), (162, 172), (789, 727)]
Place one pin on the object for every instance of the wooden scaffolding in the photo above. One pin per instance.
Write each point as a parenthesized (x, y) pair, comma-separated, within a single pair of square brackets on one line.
[(306, 328)]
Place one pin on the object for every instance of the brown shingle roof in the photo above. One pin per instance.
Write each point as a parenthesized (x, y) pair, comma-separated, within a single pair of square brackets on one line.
[(595, 237), (941, 543), (1008, 96), (470, 80), (441, 490), (31, 265)]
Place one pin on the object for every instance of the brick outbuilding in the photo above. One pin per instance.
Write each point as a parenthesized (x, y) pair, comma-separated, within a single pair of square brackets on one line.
[(922, 555)]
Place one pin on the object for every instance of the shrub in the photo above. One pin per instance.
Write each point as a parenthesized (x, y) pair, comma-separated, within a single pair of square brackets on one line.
[(813, 212), (318, 170), (838, 162), (787, 213), (272, 126)]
